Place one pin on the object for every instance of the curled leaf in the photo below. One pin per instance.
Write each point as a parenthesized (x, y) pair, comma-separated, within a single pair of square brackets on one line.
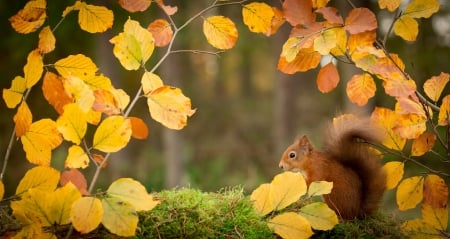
[(30, 18)]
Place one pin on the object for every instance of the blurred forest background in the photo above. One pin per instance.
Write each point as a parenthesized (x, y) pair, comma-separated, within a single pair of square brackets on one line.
[(247, 111)]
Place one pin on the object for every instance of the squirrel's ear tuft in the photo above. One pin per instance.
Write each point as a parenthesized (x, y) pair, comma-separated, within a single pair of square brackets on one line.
[(304, 144)]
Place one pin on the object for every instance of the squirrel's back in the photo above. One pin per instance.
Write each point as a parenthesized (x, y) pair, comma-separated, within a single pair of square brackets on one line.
[(347, 160)]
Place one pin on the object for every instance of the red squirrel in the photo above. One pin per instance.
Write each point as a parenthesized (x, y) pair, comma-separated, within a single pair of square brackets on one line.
[(348, 161)]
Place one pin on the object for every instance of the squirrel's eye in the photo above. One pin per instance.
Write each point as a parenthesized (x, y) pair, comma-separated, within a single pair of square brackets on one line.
[(292, 155)]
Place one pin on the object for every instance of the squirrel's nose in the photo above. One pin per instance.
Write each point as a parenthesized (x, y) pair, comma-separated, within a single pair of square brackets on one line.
[(280, 165)]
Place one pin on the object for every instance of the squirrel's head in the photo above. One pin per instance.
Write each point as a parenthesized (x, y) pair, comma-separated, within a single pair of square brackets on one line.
[(292, 156)]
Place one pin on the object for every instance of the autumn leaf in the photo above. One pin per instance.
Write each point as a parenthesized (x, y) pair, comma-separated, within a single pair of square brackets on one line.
[(258, 17), (262, 199), (394, 173), (22, 119), (390, 5), (169, 106), (162, 32), (361, 40), (410, 126), (435, 217), (319, 215), (13, 95), (360, 88), (112, 134), (169, 10), (410, 192), (444, 111), (305, 59), (298, 12), (119, 216), (277, 21), (418, 228), (72, 123), (319, 188), (407, 28), (93, 18), (80, 91), (135, 5), (387, 120), (61, 201), (410, 105), (327, 78), (134, 46), (40, 139), (434, 86), (325, 41), (78, 65), (39, 178), (150, 82), (133, 192), (105, 102), (76, 158), (360, 20), (30, 18), (47, 40), (331, 15), (54, 92), (34, 68), (283, 194), (423, 144), (435, 191), (2, 190), (220, 32), (139, 128), (290, 225), (421, 8), (76, 178), (399, 87), (86, 214)]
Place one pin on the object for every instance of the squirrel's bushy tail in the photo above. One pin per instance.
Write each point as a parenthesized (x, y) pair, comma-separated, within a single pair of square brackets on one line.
[(348, 142)]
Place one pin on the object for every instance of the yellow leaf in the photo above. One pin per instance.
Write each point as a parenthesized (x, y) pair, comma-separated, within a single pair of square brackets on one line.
[(22, 119), (435, 191), (220, 32), (36, 204), (86, 214), (13, 96), (394, 173), (390, 5), (80, 91), (421, 8), (133, 192), (150, 82), (418, 229), (410, 126), (291, 48), (134, 46), (119, 216), (434, 86), (435, 217), (121, 97), (319, 215), (444, 111), (410, 192), (287, 188), (72, 123), (39, 140), (112, 134), (2, 190), (423, 144), (40, 178), (258, 17), (46, 40), (262, 199), (360, 88), (319, 188), (387, 119), (325, 42), (76, 158), (78, 65), (363, 39), (61, 201), (93, 18), (290, 225), (30, 18), (169, 106), (34, 68), (341, 42), (407, 28), (319, 3)]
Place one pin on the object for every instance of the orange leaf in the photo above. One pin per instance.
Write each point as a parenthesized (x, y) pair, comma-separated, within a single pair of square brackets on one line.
[(361, 88), (100, 159), (22, 119), (360, 20), (220, 32), (435, 191), (434, 86), (328, 78), (407, 105), (423, 144), (169, 10), (105, 102), (13, 95), (54, 92), (76, 178), (46, 40), (161, 31), (298, 12), (399, 87), (139, 128), (30, 18), (410, 126), (306, 59), (366, 38), (135, 5), (331, 14), (444, 111)]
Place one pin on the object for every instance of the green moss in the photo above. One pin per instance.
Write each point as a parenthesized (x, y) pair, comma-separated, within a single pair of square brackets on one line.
[(190, 213)]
